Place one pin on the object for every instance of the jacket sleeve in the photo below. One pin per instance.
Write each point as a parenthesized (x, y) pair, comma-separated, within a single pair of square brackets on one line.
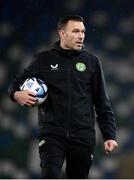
[(104, 112), (31, 71)]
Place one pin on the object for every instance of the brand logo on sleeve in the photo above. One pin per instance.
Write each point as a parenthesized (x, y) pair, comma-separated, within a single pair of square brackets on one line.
[(41, 142), (80, 66)]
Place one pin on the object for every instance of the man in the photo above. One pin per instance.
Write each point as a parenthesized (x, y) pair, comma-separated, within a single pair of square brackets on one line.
[(76, 90)]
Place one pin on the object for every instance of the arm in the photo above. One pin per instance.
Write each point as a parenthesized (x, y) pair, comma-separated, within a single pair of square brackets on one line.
[(24, 97), (105, 116)]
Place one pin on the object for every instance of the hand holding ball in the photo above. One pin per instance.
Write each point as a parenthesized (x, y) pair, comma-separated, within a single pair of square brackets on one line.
[(37, 86)]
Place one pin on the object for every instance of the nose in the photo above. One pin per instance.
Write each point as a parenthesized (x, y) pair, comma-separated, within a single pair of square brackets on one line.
[(81, 35)]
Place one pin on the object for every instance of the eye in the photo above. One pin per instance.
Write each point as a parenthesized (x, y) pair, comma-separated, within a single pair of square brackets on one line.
[(75, 30), (83, 31)]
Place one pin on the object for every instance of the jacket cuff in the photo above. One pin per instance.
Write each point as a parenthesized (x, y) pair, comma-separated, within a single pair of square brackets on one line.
[(12, 96)]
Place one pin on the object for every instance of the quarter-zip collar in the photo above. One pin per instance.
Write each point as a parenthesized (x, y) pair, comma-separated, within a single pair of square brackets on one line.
[(65, 52)]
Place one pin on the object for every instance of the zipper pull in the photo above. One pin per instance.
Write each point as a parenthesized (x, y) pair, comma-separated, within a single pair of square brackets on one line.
[(68, 134)]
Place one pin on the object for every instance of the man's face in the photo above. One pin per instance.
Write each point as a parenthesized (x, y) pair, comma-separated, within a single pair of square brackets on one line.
[(73, 35)]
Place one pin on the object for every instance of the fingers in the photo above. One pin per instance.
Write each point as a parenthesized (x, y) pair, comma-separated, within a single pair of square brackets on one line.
[(30, 98), (31, 93), (27, 98), (29, 103), (110, 145)]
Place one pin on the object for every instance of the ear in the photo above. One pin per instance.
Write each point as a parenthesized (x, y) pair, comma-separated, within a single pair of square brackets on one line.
[(61, 34)]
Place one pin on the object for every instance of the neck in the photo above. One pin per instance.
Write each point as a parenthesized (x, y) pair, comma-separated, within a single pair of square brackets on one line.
[(63, 46)]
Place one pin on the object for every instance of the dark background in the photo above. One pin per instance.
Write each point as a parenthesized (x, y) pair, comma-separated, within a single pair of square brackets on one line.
[(29, 26)]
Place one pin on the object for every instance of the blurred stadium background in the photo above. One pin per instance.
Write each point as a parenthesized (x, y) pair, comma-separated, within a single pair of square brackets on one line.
[(28, 26)]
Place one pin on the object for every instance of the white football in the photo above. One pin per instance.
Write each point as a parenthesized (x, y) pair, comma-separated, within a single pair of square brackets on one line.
[(37, 86)]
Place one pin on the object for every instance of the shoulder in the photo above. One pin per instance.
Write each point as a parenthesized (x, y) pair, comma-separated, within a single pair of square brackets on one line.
[(91, 58), (39, 57), (43, 54), (90, 55)]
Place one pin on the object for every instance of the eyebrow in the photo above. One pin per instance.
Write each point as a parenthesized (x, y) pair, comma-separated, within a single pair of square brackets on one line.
[(79, 30)]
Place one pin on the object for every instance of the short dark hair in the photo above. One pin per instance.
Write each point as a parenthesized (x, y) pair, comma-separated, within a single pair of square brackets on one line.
[(64, 20)]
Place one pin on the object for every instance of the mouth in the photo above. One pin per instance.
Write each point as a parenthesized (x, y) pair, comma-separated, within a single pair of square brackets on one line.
[(80, 43)]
